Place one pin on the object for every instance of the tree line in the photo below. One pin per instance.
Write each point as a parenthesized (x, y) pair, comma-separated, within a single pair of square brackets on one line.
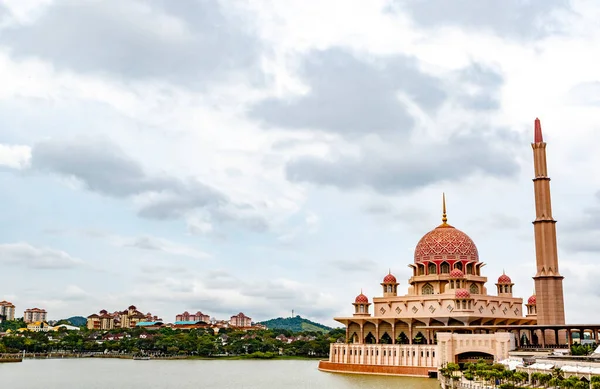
[(169, 341)]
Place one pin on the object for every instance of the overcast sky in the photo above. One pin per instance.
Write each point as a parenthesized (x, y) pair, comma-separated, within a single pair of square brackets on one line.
[(270, 156)]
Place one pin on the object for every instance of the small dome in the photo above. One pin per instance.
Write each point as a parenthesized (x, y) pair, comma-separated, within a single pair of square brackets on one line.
[(361, 299), (532, 300), (462, 294), (389, 279), (504, 279), (456, 273)]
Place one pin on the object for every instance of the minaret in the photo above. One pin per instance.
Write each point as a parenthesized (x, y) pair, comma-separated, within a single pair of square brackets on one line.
[(548, 281)]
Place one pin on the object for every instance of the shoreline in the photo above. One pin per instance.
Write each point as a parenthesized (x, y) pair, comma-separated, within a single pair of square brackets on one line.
[(19, 357)]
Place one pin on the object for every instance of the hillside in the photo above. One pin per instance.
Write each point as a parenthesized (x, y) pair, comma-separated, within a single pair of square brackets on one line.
[(296, 324), (77, 321)]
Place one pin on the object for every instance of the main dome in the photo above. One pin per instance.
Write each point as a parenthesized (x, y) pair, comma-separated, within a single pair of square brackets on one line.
[(446, 242)]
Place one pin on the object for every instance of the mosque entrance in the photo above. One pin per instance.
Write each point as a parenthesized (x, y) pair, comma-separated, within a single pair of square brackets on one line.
[(474, 357)]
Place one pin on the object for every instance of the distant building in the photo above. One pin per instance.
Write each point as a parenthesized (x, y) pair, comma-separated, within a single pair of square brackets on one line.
[(240, 320), (128, 318), (38, 326), (198, 316), (65, 326), (33, 315), (7, 311)]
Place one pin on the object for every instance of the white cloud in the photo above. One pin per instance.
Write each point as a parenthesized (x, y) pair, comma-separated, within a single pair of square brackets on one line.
[(15, 157), (24, 254)]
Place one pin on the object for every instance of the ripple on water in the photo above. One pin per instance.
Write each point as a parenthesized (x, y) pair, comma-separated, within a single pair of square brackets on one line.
[(188, 374)]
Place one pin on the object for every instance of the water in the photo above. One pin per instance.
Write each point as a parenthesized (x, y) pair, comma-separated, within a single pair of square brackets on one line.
[(184, 374)]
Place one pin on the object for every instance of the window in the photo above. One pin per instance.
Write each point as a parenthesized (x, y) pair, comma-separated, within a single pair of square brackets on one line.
[(451, 284), (427, 289), (458, 266), (431, 268), (444, 268), (421, 269), (464, 304), (470, 268), (389, 288), (474, 289), (362, 309)]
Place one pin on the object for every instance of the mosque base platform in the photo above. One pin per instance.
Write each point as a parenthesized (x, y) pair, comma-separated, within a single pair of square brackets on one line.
[(355, 368)]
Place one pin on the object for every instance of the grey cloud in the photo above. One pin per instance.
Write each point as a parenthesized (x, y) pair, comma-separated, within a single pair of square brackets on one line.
[(410, 166), (483, 84), (24, 254), (102, 167), (581, 232), (514, 19), (187, 42), (353, 97)]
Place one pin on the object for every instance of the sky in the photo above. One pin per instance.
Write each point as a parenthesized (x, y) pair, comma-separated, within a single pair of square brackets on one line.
[(268, 156)]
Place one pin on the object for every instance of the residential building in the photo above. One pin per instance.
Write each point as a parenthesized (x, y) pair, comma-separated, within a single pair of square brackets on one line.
[(7, 311), (240, 320), (33, 315), (128, 318), (196, 317)]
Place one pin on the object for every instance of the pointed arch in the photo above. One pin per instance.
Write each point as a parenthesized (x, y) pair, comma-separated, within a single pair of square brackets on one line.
[(458, 265), (474, 289), (431, 268), (427, 289), (444, 268)]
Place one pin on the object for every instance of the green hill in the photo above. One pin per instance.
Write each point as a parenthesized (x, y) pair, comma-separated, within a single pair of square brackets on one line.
[(296, 324), (77, 321)]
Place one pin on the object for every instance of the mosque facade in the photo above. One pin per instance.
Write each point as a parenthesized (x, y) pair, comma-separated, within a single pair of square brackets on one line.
[(448, 313)]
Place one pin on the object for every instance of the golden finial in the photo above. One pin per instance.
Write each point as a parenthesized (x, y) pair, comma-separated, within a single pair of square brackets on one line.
[(444, 218)]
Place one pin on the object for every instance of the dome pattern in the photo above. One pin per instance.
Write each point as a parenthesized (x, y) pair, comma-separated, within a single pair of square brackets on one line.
[(504, 279), (446, 242), (532, 300), (456, 273), (389, 279), (361, 299), (462, 294)]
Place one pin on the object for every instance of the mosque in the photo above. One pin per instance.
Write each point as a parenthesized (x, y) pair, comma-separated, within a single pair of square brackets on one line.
[(448, 314)]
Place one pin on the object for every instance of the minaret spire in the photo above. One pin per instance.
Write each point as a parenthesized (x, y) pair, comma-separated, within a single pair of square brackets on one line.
[(548, 281), (537, 136), (444, 217)]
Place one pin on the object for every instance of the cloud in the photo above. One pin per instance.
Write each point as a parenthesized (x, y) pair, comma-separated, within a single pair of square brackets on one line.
[(14, 156), (162, 245), (354, 97), (74, 292), (515, 19), (101, 166), (190, 43), (24, 254), (353, 265), (404, 167), (220, 294), (581, 233), (585, 93)]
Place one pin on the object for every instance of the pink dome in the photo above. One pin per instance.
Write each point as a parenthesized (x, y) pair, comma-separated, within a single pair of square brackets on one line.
[(389, 279), (462, 294), (456, 273), (361, 299), (446, 242), (532, 300), (504, 279)]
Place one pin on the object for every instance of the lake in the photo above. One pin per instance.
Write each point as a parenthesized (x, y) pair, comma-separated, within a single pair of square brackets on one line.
[(183, 374)]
